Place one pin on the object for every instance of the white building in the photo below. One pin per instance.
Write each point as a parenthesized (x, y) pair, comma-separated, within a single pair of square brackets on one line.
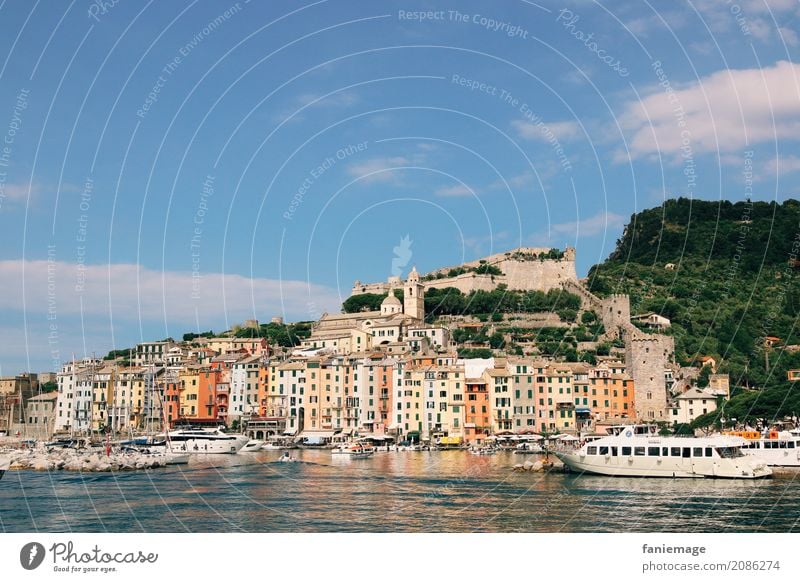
[(692, 404), (244, 388), (74, 402), (152, 352), (420, 337)]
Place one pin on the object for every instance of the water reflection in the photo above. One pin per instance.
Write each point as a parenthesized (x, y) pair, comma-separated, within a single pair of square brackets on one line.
[(448, 491)]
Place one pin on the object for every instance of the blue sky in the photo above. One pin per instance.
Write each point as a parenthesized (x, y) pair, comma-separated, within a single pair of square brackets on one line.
[(170, 167)]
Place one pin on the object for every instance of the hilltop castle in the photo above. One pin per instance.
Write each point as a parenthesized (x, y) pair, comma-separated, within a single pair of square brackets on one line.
[(520, 269)]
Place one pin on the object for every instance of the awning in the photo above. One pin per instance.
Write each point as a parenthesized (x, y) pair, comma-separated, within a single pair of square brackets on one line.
[(347, 431), (317, 434), (448, 440), (583, 409), (290, 431)]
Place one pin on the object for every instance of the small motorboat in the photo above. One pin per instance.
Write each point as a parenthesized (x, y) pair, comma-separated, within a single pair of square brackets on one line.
[(354, 450), (252, 446), (286, 458), (483, 451)]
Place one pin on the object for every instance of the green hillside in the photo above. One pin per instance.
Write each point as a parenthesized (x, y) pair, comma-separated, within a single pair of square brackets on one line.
[(726, 275)]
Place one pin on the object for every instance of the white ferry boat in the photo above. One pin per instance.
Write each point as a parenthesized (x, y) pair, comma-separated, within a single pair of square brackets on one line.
[(206, 441), (638, 451), (775, 448)]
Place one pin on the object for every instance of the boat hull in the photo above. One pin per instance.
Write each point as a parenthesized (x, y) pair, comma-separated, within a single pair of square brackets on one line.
[(739, 468), (5, 464), (206, 446), (775, 457), (252, 446)]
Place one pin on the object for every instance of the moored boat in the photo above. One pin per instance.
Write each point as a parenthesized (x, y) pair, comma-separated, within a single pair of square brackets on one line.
[(775, 448), (205, 441), (637, 451), (252, 446), (354, 450), (5, 464)]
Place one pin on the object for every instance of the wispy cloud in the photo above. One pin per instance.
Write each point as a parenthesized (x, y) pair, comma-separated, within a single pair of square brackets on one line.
[(782, 165), (341, 99), (17, 192), (591, 226), (723, 112), (455, 191), (542, 131), (132, 292), (382, 169)]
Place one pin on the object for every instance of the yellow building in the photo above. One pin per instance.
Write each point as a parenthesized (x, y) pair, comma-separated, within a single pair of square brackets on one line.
[(189, 379)]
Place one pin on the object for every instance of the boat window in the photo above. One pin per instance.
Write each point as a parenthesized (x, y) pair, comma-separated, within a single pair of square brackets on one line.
[(613, 451), (782, 444), (709, 452), (626, 451), (664, 452), (687, 452), (790, 444), (675, 451), (638, 451), (603, 450), (591, 451), (653, 452), (729, 452), (697, 452)]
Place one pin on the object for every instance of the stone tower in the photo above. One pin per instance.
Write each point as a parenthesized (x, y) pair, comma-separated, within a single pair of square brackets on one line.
[(615, 314), (647, 357), (414, 296)]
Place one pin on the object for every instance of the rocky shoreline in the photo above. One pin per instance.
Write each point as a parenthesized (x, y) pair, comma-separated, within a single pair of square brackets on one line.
[(82, 461)]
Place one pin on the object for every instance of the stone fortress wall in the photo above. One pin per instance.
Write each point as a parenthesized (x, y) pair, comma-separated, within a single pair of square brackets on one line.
[(522, 271)]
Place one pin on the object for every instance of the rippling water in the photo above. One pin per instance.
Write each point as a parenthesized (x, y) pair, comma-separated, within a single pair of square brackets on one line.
[(447, 491)]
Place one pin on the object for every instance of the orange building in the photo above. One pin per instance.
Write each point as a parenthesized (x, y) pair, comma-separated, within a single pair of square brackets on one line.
[(611, 395), (207, 401), (478, 414)]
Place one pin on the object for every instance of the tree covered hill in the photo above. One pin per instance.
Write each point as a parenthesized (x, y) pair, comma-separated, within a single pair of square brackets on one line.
[(725, 274)]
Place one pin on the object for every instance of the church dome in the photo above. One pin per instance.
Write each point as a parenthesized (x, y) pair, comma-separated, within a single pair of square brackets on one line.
[(391, 299), (391, 304)]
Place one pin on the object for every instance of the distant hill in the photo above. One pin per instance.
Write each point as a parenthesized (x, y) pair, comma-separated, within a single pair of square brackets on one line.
[(726, 274)]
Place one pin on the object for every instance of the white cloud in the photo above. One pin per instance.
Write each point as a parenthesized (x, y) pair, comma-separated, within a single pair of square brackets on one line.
[(591, 226), (766, 6), (130, 292), (542, 131), (723, 112), (760, 28), (340, 99), (789, 36), (381, 169), (783, 165), (455, 191), (14, 192)]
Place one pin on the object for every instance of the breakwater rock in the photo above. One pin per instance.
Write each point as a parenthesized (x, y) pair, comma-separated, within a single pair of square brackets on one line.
[(76, 460)]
